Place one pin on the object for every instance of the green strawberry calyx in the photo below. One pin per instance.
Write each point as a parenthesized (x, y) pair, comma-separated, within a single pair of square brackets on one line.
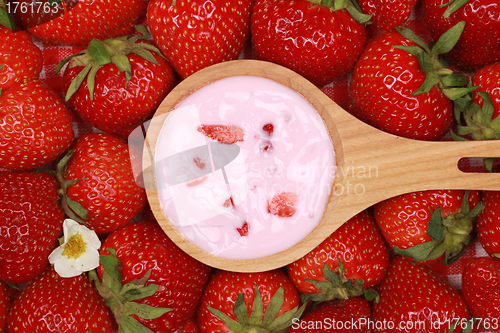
[(450, 235), (260, 321), (120, 298), (453, 6), (109, 51), (452, 84), (5, 18), (479, 123), (350, 5), (337, 286), (73, 209)]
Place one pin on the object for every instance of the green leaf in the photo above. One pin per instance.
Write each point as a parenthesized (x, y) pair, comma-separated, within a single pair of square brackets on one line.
[(146, 54), (488, 163), (76, 83), (456, 79), (6, 20), (240, 309), (430, 81), (77, 208), (456, 93), (99, 52), (488, 109), (129, 324), (422, 252), (133, 294), (371, 295), (330, 276), (274, 306), (143, 30), (435, 226), (409, 34), (357, 14), (496, 255), (91, 81), (448, 40), (63, 62), (257, 309), (285, 320), (233, 325), (415, 50), (111, 265), (455, 137), (453, 6), (143, 310)]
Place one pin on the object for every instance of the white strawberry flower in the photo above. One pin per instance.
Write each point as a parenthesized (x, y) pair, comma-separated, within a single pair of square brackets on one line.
[(79, 253)]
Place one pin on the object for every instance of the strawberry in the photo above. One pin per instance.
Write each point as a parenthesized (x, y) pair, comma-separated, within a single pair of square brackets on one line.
[(147, 254), (414, 299), (116, 84), (475, 48), (488, 81), (400, 86), (360, 248), (223, 133), (30, 223), (249, 302), (85, 20), (283, 204), (488, 223), (4, 305), (35, 126), (54, 304), (190, 327), (387, 14), (19, 57), (99, 185), (429, 225), (195, 34), (481, 290), (318, 42), (351, 315)]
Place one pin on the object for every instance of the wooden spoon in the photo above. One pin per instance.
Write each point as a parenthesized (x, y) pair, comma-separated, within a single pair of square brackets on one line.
[(395, 165)]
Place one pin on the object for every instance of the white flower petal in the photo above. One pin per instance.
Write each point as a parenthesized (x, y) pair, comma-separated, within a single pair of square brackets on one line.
[(88, 260), (89, 237), (70, 227), (56, 254), (65, 267)]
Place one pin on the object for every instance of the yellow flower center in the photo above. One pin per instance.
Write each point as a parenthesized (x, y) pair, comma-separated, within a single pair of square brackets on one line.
[(75, 246)]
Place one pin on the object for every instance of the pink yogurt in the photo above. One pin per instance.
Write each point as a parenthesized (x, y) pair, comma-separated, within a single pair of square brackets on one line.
[(301, 162)]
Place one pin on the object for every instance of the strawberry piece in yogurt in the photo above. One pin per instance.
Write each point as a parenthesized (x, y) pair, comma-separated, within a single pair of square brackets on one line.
[(222, 133), (283, 204)]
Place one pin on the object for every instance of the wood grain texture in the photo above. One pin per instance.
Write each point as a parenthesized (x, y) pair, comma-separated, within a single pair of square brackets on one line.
[(371, 165)]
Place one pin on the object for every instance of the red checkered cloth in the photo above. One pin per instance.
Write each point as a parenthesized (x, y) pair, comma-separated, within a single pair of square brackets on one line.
[(337, 90)]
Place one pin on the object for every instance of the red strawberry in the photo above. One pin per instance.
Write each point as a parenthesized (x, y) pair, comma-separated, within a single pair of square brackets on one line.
[(387, 14), (429, 225), (4, 305), (223, 133), (35, 126), (55, 304), (481, 290), (283, 204), (190, 327), (30, 224), (233, 302), (195, 34), (391, 91), (488, 81), (99, 183), (19, 57), (351, 315), (86, 20), (146, 253), (488, 223), (126, 90), (475, 48), (413, 299), (358, 245), (317, 42)]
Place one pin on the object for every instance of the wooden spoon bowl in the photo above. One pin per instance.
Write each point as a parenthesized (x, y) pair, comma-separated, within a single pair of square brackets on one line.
[(393, 165)]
